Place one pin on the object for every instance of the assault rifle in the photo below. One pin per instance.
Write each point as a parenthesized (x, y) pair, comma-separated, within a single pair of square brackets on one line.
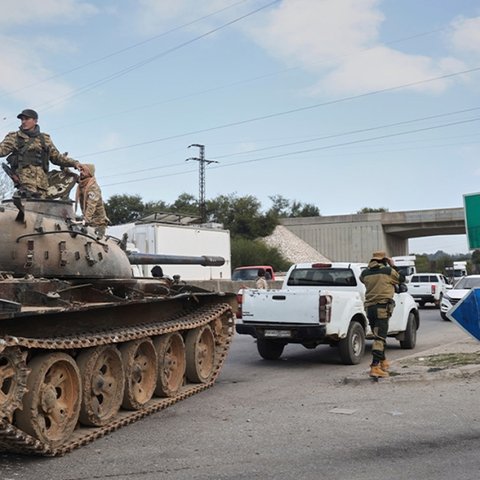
[(12, 175)]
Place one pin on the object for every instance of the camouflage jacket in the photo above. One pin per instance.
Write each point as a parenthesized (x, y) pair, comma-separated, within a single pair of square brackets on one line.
[(380, 281), (34, 145)]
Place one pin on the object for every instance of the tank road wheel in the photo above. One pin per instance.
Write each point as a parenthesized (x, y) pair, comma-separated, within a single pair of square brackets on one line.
[(52, 404), (170, 350), (103, 383), (140, 363), (220, 330), (200, 349), (13, 381)]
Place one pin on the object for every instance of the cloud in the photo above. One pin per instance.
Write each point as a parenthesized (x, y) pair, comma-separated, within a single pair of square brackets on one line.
[(110, 140), (465, 35), (383, 67), (23, 12), (18, 59), (154, 16), (339, 42), (23, 62)]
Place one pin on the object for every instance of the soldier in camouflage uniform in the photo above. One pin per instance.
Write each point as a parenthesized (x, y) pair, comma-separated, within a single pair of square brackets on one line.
[(29, 153), (89, 196), (380, 278)]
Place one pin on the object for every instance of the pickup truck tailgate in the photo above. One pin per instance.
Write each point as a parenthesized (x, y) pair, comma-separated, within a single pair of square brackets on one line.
[(296, 308)]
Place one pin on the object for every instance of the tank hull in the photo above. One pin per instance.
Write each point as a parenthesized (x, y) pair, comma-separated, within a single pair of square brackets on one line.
[(85, 348)]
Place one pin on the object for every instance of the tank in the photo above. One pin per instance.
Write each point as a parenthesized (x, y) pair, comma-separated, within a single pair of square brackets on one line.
[(86, 348)]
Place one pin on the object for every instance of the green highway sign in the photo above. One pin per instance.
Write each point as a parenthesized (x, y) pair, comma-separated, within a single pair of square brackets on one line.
[(471, 204)]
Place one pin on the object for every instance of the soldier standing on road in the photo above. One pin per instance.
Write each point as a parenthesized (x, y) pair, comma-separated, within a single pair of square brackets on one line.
[(261, 282), (29, 153), (380, 278), (89, 196)]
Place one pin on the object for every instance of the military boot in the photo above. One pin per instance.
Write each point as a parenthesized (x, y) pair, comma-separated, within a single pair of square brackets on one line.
[(377, 372), (385, 365)]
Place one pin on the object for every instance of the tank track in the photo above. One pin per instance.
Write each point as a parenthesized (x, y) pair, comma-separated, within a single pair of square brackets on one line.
[(14, 440)]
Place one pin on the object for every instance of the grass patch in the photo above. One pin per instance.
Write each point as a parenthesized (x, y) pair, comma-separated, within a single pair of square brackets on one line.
[(450, 360)]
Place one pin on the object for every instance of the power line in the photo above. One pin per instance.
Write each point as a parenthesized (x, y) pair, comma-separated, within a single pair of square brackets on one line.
[(146, 61), (298, 152), (283, 113), (351, 132), (125, 49), (309, 140), (245, 80)]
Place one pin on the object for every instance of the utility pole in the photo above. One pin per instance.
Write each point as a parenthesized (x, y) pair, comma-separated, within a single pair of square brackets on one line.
[(201, 161)]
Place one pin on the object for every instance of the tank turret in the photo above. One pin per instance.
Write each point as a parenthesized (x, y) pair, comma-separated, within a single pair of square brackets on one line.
[(42, 238)]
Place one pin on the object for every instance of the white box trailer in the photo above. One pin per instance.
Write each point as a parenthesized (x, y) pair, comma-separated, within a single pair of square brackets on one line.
[(188, 240)]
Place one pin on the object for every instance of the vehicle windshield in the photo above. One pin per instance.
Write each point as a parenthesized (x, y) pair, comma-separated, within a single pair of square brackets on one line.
[(322, 277), (468, 283), (249, 274), (245, 274)]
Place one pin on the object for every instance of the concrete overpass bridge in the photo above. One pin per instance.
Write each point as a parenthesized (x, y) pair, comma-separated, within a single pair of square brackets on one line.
[(354, 237)]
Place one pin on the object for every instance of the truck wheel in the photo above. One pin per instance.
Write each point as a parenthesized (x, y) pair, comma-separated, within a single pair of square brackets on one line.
[(269, 350), (410, 337), (352, 347)]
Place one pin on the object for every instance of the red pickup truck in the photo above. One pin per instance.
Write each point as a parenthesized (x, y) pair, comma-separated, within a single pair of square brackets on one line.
[(250, 272)]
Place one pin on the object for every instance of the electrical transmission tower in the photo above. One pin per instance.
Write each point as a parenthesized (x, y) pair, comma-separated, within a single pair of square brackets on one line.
[(201, 161)]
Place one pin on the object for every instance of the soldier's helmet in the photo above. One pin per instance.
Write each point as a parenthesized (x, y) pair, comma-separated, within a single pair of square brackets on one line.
[(28, 113)]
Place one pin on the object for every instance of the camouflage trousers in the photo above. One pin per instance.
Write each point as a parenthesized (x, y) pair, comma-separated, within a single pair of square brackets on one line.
[(33, 179), (378, 316)]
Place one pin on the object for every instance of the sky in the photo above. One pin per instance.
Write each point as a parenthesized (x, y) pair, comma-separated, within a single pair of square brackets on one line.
[(343, 104)]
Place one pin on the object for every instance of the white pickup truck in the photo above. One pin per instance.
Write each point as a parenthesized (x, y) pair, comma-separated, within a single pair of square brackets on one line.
[(320, 303), (428, 288)]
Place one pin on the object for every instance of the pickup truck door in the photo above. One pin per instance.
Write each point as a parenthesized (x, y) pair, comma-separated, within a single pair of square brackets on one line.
[(397, 320)]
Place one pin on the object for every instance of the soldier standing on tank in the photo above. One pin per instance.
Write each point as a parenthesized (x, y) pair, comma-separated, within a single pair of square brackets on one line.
[(89, 196), (29, 153), (380, 278)]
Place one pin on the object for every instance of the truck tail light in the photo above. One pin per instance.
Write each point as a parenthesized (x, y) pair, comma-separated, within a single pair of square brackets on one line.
[(325, 308), (239, 305), (434, 288)]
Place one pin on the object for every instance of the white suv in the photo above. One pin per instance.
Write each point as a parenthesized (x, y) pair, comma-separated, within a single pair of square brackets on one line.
[(428, 288), (460, 289)]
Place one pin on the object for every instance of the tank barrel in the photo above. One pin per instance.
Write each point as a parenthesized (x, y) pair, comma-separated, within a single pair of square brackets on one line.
[(152, 259)]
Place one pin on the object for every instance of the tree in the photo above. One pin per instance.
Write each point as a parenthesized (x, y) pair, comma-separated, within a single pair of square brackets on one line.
[(254, 252), (155, 207), (422, 263), (283, 208), (372, 210), (124, 208), (280, 206), (6, 185), (475, 261), (299, 209), (241, 215), (186, 204)]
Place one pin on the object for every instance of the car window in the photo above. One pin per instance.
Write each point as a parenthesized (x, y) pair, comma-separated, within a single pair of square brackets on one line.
[(468, 283), (322, 277)]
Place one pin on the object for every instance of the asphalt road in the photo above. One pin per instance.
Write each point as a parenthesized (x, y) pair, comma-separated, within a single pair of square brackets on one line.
[(292, 418)]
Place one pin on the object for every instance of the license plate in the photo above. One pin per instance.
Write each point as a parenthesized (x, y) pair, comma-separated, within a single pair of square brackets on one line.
[(278, 333)]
